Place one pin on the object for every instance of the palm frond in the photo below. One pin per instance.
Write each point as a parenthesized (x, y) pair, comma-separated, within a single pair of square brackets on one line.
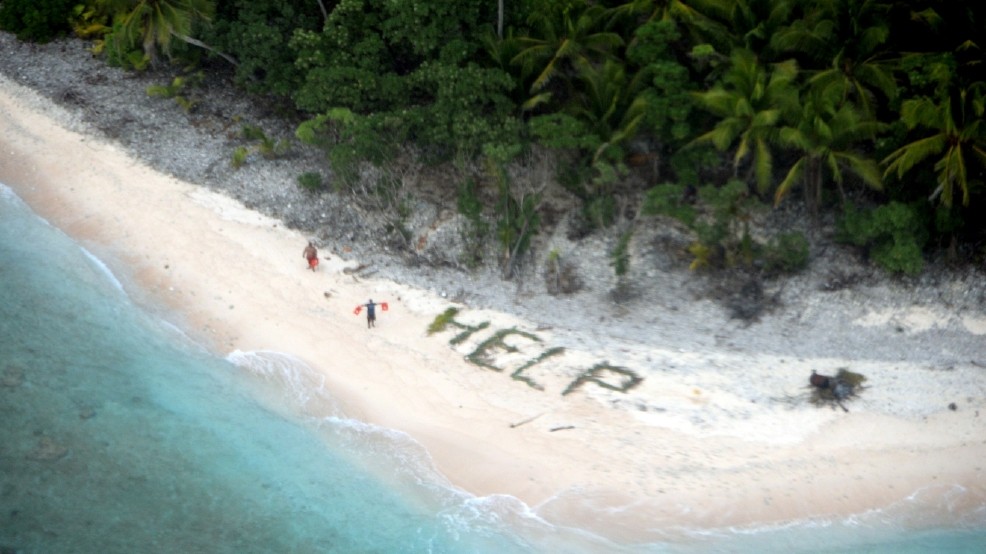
[(765, 118), (543, 78), (742, 151), (793, 177), (801, 36), (716, 100), (877, 77), (792, 137), (927, 16), (901, 161), (980, 152), (922, 112), (535, 101), (763, 165), (867, 169), (951, 170)]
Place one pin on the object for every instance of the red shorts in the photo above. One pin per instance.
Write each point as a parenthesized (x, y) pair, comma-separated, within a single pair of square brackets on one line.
[(312, 262)]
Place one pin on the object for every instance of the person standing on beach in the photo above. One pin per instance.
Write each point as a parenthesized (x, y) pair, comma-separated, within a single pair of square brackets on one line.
[(310, 253), (371, 312)]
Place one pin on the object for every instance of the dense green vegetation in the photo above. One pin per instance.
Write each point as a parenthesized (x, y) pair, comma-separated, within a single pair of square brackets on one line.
[(870, 110)]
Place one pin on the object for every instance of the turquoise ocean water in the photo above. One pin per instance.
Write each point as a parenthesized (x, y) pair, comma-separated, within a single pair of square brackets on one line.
[(118, 434)]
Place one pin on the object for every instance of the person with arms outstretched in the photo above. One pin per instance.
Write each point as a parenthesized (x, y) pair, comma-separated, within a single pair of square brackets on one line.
[(371, 312)]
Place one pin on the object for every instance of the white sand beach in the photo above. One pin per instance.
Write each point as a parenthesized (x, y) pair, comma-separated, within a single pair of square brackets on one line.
[(707, 438)]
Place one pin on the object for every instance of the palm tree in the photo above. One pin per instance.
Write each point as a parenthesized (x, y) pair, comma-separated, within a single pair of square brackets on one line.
[(693, 15), (500, 51), (749, 24), (567, 40), (847, 39), (612, 105), (750, 102), (958, 133), (156, 22), (825, 134)]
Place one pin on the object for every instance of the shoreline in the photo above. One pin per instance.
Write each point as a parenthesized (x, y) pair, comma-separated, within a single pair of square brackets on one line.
[(687, 447)]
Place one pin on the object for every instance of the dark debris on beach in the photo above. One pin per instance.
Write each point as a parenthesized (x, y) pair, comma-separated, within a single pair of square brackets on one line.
[(835, 389)]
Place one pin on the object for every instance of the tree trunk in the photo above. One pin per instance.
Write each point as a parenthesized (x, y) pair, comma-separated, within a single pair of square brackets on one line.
[(200, 44), (512, 253), (499, 19), (813, 187)]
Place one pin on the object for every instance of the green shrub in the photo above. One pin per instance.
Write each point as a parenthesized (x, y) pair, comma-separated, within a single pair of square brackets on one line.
[(253, 132), (179, 85), (408, 70), (36, 20), (469, 203), (259, 32), (786, 253), (268, 147), (351, 140), (471, 207), (310, 181), (91, 21), (518, 218), (589, 180), (894, 235), (723, 233), (272, 149), (518, 221), (620, 256), (599, 211), (905, 256), (720, 218), (122, 50), (240, 156), (669, 199)]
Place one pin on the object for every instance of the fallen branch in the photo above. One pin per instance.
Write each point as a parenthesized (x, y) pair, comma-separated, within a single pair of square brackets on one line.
[(528, 420)]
